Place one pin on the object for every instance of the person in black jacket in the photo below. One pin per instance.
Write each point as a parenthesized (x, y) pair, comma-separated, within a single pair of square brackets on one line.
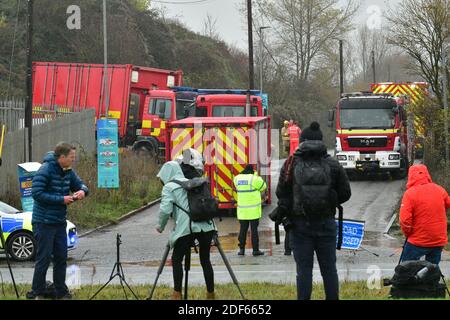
[(313, 230)]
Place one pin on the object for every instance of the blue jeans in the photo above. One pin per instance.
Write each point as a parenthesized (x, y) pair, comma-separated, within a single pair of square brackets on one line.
[(51, 242), (317, 236), (412, 252)]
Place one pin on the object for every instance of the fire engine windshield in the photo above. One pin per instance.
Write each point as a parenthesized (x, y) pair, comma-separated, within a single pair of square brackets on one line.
[(233, 111), (367, 115), (161, 108)]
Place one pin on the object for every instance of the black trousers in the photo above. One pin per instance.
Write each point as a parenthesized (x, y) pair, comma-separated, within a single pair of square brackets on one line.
[(243, 233), (307, 238), (182, 246)]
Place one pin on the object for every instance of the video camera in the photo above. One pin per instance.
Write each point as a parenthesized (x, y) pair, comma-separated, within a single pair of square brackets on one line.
[(280, 216)]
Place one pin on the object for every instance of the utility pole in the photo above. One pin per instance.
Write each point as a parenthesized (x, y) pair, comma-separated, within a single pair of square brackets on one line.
[(261, 57), (29, 102), (445, 91), (251, 72), (105, 57), (374, 67), (341, 66)]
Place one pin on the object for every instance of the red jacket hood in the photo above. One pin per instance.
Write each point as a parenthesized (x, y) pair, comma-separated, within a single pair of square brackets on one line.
[(418, 175)]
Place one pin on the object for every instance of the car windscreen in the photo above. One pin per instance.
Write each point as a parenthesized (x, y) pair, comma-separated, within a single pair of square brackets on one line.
[(233, 111), (367, 114), (4, 208)]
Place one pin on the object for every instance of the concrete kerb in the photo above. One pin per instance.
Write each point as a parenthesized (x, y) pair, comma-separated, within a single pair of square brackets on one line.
[(122, 218)]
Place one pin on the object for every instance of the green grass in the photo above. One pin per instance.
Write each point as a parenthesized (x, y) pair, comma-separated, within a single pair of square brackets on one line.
[(252, 291), (138, 187)]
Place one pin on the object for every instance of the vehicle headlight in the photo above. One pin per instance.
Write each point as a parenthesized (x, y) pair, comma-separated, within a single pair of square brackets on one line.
[(342, 158), (394, 157)]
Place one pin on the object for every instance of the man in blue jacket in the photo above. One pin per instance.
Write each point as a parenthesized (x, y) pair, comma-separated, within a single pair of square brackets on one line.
[(51, 190)]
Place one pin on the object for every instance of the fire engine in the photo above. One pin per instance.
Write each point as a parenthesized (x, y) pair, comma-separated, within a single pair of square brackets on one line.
[(227, 144), (177, 103), (372, 133)]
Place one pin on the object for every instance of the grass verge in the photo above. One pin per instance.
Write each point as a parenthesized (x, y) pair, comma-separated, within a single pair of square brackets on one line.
[(252, 291)]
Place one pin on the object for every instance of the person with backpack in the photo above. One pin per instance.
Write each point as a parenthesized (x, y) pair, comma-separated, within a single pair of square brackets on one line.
[(310, 187), (423, 217), (249, 186), (175, 204)]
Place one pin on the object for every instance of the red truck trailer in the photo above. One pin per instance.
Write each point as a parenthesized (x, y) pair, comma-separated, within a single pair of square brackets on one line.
[(227, 145), (73, 87)]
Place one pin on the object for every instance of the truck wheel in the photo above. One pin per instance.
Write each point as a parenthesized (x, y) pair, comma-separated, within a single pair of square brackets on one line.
[(145, 149), (401, 173)]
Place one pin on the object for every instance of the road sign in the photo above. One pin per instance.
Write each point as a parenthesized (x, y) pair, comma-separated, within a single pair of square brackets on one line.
[(353, 234)]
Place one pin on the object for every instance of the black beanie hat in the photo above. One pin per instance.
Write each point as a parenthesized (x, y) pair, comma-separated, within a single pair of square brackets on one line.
[(312, 132)]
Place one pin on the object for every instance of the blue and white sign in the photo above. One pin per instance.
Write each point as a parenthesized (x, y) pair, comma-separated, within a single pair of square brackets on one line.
[(265, 100), (108, 153), (26, 172), (352, 234)]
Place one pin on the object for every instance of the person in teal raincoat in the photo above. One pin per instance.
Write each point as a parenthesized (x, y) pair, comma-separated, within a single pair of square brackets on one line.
[(181, 237)]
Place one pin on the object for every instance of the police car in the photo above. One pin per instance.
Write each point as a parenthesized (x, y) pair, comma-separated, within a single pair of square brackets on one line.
[(17, 230)]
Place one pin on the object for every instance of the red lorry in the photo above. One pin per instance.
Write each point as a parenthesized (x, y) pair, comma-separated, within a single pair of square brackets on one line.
[(372, 133), (73, 87), (227, 144)]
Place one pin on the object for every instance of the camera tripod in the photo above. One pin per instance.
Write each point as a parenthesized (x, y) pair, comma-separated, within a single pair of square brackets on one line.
[(187, 265), (2, 239), (119, 273)]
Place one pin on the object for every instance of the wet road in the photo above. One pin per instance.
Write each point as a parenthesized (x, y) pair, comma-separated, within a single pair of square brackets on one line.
[(142, 247)]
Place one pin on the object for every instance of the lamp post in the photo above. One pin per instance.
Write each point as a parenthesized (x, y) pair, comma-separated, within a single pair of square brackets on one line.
[(28, 121), (251, 71), (105, 56), (261, 57)]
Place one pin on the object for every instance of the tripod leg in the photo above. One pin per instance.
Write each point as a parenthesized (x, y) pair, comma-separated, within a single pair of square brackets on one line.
[(123, 287), (227, 264), (160, 269), (122, 279), (187, 267), (110, 279), (2, 239)]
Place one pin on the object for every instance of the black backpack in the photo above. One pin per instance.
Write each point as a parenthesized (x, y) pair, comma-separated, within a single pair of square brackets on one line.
[(417, 279), (313, 178), (202, 206)]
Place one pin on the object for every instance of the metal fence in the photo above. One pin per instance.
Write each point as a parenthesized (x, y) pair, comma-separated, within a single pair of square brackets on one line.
[(12, 113)]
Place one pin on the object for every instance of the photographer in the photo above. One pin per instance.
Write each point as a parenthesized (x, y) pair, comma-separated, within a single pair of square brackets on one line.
[(181, 239), (310, 187), (51, 189)]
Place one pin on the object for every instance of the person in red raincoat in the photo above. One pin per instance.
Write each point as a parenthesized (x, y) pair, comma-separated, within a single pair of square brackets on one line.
[(423, 217), (294, 136)]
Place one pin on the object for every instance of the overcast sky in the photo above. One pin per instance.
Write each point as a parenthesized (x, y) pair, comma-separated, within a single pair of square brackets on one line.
[(231, 26)]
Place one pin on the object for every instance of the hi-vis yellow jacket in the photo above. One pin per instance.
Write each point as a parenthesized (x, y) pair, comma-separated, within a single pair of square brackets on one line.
[(248, 189)]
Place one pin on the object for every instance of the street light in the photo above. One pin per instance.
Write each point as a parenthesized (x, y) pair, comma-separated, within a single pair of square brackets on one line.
[(261, 58)]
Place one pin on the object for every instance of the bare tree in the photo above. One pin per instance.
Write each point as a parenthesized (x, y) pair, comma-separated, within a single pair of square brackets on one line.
[(421, 30), (210, 27), (304, 29)]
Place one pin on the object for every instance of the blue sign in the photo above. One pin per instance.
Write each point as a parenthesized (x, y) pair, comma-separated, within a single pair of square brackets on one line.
[(108, 153), (352, 234), (265, 100), (26, 172)]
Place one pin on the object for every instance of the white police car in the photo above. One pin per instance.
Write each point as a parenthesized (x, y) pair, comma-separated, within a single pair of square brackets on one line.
[(18, 233)]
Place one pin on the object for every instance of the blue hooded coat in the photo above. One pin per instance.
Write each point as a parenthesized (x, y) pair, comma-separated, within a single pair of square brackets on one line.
[(50, 184)]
